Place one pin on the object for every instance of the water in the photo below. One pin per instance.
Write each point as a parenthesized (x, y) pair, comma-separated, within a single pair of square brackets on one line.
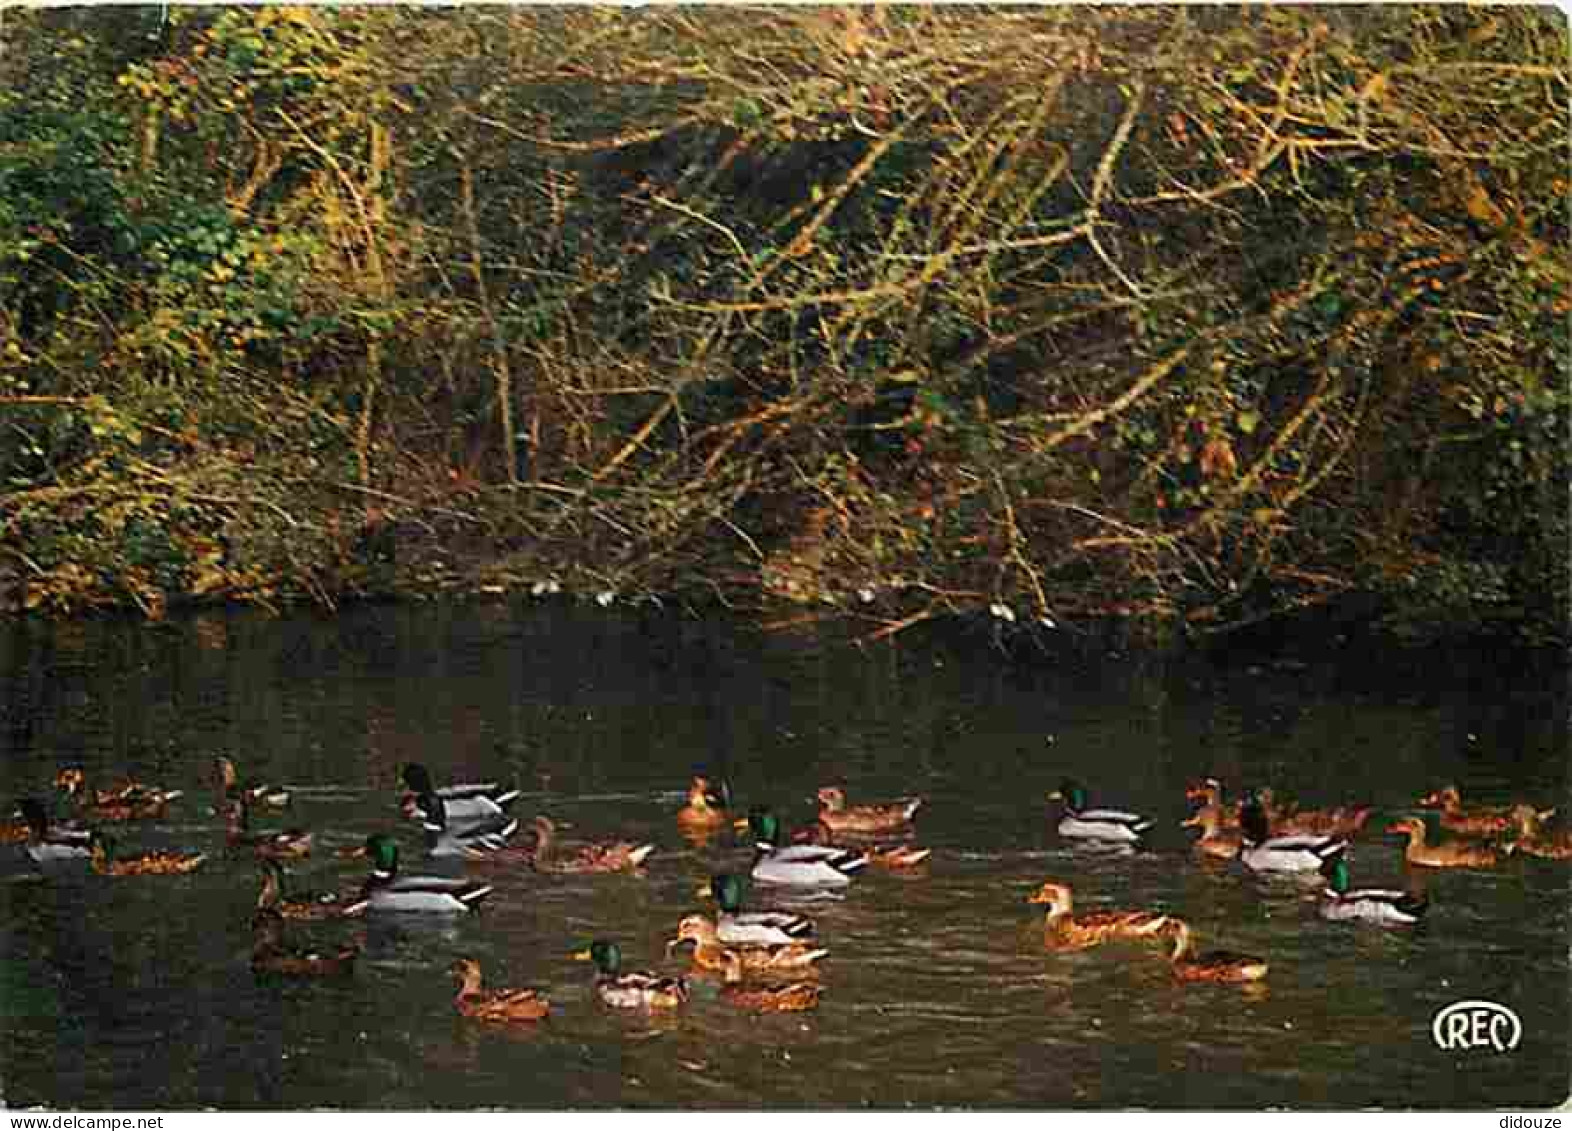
[(137, 993)]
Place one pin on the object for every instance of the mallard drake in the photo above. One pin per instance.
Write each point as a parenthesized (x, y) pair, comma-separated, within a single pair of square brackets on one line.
[(128, 802), (386, 890), (1534, 839), (230, 793), (1215, 838), (619, 856), (270, 955), (465, 802), (1262, 852), (710, 953), (839, 817), (1214, 966), (47, 844), (632, 990), (799, 865), (1446, 854), (289, 844), (479, 838), (888, 857), (794, 997), (736, 927), (1477, 821), (1209, 791), (1388, 907), (1063, 930), (706, 807), (298, 905), (1081, 823), (505, 1006), (107, 862)]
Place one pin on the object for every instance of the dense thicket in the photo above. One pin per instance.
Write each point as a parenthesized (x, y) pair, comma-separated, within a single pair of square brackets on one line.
[(1185, 315)]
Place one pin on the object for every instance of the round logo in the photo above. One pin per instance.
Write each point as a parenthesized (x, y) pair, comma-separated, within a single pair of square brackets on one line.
[(1467, 1025)]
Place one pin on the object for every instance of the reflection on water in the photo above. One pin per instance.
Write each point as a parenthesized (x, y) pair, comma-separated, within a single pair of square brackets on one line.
[(137, 992)]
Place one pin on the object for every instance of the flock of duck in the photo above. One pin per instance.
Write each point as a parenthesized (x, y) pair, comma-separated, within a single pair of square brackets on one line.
[(767, 959)]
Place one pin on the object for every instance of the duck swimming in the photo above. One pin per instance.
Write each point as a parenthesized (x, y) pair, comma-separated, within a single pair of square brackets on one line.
[(1533, 839), (270, 955), (1215, 839), (710, 953), (1262, 852), (299, 905), (47, 844), (288, 844), (615, 856), (794, 997), (478, 838), (386, 890), (107, 862), (1064, 930), (230, 793), (839, 817), (736, 927), (799, 865), (506, 1006), (1446, 854), (465, 803), (632, 989), (1080, 822), (129, 802), (1213, 966), (1478, 821), (706, 807), (1387, 907)]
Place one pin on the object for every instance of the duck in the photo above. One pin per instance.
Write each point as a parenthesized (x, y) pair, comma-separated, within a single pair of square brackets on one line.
[(231, 793), (107, 862), (299, 905), (618, 856), (710, 953), (1481, 820), (1534, 840), (49, 845), (478, 838), (465, 802), (736, 927), (129, 802), (1081, 823), (839, 817), (288, 844), (386, 890), (1446, 854), (887, 857), (1209, 791), (270, 955), (1062, 930), (799, 865), (1214, 966), (706, 807), (1261, 852), (793, 997), (503, 1006), (1388, 907), (1290, 820), (1216, 838), (633, 989)]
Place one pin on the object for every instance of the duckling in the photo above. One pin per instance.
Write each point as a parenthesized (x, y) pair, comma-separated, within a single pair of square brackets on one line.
[(1447, 854), (634, 989), (129, 802), (1479, 821), (386, 890), (799, 865), (290, 844), (710, 954), (1062, 930), (1387, 907), (270, 955), (1209, 791), (229, 793), (1534, 839), (504, 1006), (1214, 966), (793, 998), (1264, 853), (706, 807), (618, 856), (1215, 838), (1082, 823), (839, 817), (300, 905), (736, 927), (47, 844), (465, 802), (107, 862)]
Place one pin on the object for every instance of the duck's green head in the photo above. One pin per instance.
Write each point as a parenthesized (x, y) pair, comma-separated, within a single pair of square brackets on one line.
[(1072, 793), (382, 850), (766, 826), (727, 890), (605, 954), (1336, 872)]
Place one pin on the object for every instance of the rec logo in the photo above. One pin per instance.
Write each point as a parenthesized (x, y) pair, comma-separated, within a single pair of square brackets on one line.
[(1467, 1025)]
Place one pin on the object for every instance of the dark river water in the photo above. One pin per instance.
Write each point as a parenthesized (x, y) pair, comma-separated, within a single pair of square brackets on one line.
[(136, 992)]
